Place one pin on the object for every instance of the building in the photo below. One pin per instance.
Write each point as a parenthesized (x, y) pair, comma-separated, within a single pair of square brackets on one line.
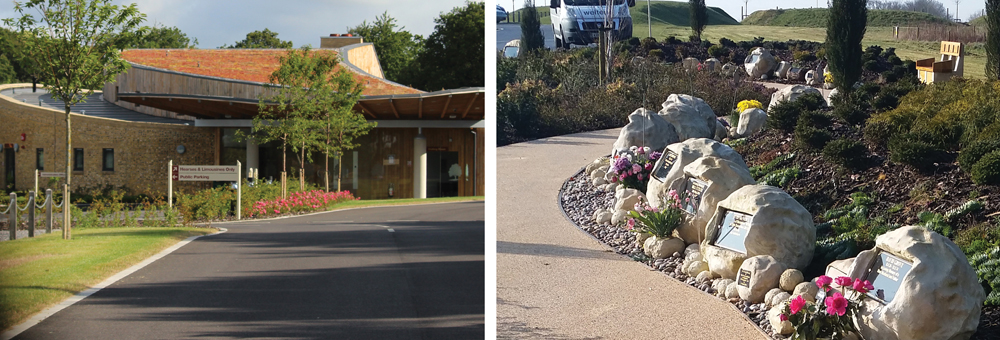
[(187, 105)]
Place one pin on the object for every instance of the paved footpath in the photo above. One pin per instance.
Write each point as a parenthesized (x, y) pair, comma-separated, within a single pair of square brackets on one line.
[(406, 272), (556, 282)]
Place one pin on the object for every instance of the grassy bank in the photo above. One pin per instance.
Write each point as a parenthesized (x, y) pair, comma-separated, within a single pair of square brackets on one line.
[(816, 17), (664, 13), (39, 272), (975, 61)]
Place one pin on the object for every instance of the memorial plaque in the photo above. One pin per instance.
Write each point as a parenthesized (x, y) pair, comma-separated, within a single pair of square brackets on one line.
[(663, 165), (695, 191), (733, 229), (886, 273), (743, 278)]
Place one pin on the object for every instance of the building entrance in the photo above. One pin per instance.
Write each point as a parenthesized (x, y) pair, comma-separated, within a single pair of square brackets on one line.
[(443, 173)]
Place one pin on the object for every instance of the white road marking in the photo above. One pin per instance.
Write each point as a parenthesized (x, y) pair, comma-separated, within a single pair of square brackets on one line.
[(402, 220), (391, 230)]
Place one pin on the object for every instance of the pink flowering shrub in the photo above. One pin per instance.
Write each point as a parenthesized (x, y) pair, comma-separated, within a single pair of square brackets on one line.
[(831, 317), (298, 202)]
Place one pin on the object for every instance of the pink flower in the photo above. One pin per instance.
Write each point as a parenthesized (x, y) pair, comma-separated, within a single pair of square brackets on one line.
[(638, 207), (649, 166), (783, 317), (843, 281), (636, 168), (622, 177), (640, 177), (862, 287), (836, 304), (796, 304), (824, 281), (631, 223)]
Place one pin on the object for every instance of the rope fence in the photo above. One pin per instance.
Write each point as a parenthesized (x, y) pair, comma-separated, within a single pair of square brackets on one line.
[(13, 212)]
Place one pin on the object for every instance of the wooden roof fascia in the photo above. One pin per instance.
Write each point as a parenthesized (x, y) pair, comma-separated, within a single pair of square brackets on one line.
[(471, 103), (445, 110)]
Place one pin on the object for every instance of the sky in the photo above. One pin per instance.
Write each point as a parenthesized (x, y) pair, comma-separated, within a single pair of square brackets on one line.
[(966, 7), (223, 22)]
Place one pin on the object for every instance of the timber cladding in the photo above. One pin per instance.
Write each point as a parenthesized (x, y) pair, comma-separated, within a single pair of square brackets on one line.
[(141, 150)]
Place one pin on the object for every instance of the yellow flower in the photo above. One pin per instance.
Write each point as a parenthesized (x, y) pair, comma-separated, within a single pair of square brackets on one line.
[(828, 77), (748, 104)]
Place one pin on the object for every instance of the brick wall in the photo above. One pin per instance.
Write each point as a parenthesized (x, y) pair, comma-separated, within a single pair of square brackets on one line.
[(141, 149)]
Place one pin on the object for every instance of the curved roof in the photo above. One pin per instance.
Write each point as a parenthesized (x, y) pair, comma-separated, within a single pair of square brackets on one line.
[(250, 65)]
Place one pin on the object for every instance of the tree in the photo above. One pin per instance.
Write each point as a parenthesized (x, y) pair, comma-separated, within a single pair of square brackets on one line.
[(261, 39), (844, 32), (531, 29), (7, 74), (699, 17), (165, 37), (397, 49), (453, 56), (80, 42), (993, 39)]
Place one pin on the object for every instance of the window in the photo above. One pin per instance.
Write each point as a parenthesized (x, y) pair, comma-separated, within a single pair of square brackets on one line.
[(40, 159), (109, 159), (78, 159)]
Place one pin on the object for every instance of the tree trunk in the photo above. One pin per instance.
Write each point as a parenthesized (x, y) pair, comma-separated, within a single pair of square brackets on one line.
[(284, 167), (326, 170), (302, 169), (340, 168), (67, 233)]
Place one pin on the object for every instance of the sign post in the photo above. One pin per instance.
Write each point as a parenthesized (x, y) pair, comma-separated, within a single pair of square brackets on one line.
[(170, 183), (206, 173)]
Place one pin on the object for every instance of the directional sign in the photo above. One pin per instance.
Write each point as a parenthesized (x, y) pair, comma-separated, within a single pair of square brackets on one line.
[(204, 173), (52, 174)]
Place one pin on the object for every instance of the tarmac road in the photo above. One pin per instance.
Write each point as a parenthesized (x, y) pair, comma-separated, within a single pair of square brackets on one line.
[(408, 272)]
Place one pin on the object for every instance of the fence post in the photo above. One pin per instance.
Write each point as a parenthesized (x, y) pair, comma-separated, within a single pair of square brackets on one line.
[(49, 206), (12, 217), (31, 213), (239, 190)]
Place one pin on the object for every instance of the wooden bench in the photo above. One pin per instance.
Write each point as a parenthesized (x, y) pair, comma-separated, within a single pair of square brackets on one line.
[(951, 64)]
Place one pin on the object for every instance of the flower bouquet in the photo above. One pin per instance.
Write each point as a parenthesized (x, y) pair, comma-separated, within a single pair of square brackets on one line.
[(631, 168), (659, 222), (830, 318), (748, 104)]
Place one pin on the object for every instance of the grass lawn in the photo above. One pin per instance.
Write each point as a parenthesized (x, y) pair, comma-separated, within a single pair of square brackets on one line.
[(403, 201), (975, 61), (39, 272)]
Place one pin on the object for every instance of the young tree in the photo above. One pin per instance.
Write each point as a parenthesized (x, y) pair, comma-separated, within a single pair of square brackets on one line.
[(261, 39), (397, 48), (993, 39), (844, 32), (78, 45), (699, 17), (531, 29)]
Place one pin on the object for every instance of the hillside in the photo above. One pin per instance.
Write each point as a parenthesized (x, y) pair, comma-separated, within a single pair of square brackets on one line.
[(979, 22), (816, 17), (664, 12)]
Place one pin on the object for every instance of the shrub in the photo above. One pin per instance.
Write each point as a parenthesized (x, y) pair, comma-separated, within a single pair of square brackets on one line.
[(808, 137), (656, 54), (871, 65), (895, 61), (847, 153), (634, 41), (884, 101), (672, 40), (987, 266), (784, 116), (850, 112), (206, 205), (727, 43), (803, 56), (814, 119), (843, 40), (913, 151), (718, 51), (648, 43), (971, 154), (811, 101), (987, 169)]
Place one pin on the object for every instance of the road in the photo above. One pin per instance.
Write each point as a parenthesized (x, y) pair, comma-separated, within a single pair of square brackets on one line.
[(508, 32), (409, 272)]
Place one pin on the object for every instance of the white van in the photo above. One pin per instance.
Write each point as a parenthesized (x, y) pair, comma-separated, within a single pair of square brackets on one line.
[(576, 22)]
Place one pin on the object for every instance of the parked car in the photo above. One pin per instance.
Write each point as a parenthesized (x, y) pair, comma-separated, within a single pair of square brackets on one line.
[(501, 14), (512, 48)]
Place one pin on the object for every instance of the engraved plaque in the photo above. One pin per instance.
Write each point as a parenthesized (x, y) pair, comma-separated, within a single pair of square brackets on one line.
[(695, 191), (663, 165), (886, 274), (732, 231), (743, 278)]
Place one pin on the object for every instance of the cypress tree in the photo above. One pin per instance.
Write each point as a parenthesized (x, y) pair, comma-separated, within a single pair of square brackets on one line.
[(993, 39), (844, 32), (531, 29), (699, 16)]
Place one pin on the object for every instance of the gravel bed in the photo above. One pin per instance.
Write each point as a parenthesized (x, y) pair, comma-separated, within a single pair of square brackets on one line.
[(580, 200)]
